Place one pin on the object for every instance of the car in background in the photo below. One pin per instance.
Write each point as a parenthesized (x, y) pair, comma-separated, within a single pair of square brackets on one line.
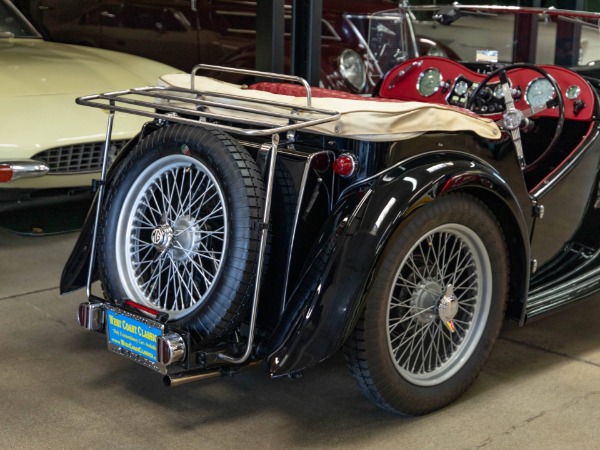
[(550, 37), (49, 146), (182, 33)]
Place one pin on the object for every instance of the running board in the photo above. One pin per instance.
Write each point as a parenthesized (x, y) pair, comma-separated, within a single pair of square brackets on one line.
[(564, 293)]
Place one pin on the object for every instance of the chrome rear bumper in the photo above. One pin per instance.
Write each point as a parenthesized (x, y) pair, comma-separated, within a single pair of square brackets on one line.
[(170, 346)]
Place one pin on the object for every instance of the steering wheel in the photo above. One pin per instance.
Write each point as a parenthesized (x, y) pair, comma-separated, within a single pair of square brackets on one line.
[(512, 118)]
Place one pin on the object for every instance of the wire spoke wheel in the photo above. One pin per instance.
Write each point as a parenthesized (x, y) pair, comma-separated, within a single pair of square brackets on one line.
[(429, 343), (172, 239), (433, 309), (177, 232)]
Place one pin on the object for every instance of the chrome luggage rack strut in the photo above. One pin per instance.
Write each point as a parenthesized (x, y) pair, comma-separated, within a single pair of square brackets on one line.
[(187, 106)]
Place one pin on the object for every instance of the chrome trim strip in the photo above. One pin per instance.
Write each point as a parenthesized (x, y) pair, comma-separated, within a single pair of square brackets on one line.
[(566, 165), (563, 294)]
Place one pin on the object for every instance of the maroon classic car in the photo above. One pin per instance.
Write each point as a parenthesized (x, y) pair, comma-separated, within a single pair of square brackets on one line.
[(182, 33)]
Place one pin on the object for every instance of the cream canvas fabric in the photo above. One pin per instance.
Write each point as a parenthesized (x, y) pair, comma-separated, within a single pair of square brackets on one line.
[(360, 119)]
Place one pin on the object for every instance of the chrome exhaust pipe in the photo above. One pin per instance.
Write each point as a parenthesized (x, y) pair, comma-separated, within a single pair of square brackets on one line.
[(178, 379), (182, 378)]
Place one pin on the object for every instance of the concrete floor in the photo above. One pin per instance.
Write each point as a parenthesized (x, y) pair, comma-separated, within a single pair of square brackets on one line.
[(61, 389)]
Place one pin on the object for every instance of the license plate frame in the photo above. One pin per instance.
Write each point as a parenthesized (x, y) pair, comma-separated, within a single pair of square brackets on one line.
[(133, 337)]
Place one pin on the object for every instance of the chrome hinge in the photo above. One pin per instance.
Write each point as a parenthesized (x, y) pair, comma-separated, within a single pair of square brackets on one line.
[(538, 211)]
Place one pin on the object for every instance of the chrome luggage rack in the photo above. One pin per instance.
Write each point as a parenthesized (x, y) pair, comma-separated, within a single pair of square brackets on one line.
[(187, 106)]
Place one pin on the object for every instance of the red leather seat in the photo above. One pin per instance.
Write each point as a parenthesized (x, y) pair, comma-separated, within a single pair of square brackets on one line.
[(296, 90)]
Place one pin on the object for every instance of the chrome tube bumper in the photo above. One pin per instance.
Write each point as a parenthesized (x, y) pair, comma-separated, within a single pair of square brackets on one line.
[(14, 170)]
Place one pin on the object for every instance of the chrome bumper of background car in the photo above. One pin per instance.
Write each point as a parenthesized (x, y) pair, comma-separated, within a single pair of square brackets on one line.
[(14, 170)]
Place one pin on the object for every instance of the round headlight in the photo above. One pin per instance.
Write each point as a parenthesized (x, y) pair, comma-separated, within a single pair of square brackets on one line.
[(436, 51), (432, 48), (352, 69)]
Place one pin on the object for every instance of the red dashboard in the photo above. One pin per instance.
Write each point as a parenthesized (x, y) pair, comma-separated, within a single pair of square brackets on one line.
[(438, 80)]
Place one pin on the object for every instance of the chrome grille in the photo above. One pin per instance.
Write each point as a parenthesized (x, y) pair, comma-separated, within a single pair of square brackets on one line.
[(78, 158)]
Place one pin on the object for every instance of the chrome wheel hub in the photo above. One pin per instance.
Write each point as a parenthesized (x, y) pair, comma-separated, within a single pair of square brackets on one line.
[(448, 306), (181, 239), (162, 236), (186, 235), (423, 303)]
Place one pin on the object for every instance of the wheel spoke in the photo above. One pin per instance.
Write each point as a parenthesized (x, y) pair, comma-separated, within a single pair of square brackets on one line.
[(177, 237), (420, 343), (442, 253)]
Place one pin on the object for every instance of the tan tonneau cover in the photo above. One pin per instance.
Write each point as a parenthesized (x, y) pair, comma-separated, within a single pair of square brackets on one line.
[(360, 119)]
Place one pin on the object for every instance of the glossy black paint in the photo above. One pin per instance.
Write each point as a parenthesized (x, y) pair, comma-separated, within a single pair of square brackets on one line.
[(568, 197), (324, 308), (336, 228), (75, 272), (312, 304)]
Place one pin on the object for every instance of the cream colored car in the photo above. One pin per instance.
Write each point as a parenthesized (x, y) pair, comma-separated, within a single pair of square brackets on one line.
[(49, 146)]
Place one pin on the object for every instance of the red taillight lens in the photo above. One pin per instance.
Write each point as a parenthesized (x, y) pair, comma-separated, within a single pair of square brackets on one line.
[(345, 165), (6, 173), (143, 308)]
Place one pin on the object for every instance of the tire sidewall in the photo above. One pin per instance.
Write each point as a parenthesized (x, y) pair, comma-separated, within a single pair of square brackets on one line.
[(392, 386)]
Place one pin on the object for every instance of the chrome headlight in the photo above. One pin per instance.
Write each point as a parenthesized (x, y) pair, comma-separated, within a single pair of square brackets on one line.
[(432, 48), (436, 51), (352, 69)]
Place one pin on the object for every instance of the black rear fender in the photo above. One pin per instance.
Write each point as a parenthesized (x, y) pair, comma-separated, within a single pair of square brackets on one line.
[(325, 305), (75, 272)]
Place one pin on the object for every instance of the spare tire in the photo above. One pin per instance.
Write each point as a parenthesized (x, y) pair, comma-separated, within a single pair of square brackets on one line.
[(178, 230)]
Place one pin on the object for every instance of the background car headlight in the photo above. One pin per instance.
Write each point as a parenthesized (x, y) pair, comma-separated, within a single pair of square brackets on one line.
[(352, 69), (436, 51), (431, 48)]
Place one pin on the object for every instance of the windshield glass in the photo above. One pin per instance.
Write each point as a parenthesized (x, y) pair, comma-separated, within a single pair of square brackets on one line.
[(503, 34), (13, 24), (513, 34)]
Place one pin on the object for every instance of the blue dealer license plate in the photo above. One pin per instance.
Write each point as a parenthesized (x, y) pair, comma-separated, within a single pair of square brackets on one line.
[(132, 336)]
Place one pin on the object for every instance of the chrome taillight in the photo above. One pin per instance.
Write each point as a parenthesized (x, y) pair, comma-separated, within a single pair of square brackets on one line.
[(91, 316), (170, 348)]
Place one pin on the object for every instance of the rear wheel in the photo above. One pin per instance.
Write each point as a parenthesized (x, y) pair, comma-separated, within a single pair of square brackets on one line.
[(178, 232), (434, 307)]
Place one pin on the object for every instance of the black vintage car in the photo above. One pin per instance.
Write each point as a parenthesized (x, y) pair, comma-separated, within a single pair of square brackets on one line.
[(275, 224)]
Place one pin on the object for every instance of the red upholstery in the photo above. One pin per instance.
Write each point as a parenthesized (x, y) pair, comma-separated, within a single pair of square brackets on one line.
[(295, 90)]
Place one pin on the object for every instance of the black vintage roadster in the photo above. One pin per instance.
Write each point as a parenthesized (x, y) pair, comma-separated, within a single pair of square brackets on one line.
[(275, 224)]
